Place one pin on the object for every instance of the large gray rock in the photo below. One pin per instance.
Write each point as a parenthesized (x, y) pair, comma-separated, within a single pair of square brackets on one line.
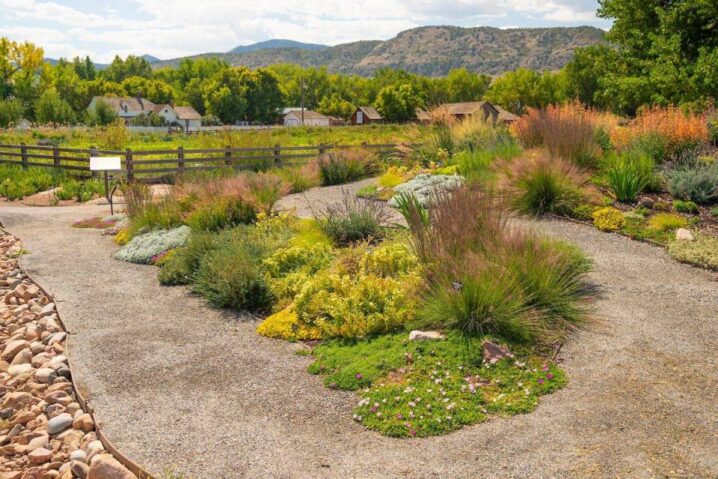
[(59, 423)]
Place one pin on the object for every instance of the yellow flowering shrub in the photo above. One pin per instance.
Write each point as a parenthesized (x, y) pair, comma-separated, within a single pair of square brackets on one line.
[(354, 307), (123, 237), (290, 268), (389, 260), (285, 325), (608, 219), (666, 222)]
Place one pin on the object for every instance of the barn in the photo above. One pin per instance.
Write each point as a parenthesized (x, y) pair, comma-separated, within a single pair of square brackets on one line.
[(366, 115)]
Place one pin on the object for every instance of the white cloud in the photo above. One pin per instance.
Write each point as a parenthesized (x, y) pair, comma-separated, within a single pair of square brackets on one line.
[(182, 27)]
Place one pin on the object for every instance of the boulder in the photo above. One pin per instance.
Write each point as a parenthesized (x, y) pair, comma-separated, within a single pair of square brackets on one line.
[(426, 336), (107, 467), (684, 235), (493, 353)]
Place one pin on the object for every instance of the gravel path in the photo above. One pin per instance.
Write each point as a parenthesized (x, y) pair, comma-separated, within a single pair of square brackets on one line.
[(177, 384)]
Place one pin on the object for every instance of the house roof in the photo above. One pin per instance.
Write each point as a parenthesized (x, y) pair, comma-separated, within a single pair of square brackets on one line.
[(122, 104), (308, 115), (187, 113), (466, 108), (505, 116), (422, 115), (370, 113)]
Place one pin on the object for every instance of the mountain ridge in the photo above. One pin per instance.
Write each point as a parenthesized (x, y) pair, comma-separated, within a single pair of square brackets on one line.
[(430, 50)]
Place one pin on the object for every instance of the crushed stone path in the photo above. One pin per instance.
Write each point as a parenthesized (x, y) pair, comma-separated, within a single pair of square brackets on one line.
[(176, 384)]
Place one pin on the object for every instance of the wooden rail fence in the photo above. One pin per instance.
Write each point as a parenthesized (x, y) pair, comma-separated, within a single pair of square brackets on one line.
[(153, 163)]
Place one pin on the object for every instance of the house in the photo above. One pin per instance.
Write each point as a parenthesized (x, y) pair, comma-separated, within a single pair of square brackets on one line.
[(505, 117), (462, 110), (365, 115), (308, 118), (129, 108), (184, 116), (422, 116), (126, 108)]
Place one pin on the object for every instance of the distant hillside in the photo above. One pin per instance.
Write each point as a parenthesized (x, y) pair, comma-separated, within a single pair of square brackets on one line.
[(430, 51), (151, 59), (277, 43)]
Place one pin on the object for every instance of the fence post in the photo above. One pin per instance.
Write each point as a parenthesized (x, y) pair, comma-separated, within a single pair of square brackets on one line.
[(23, 154), (56, 156), (228, 156), (180, 159), (322, 149), (129, 165), (277, 154)]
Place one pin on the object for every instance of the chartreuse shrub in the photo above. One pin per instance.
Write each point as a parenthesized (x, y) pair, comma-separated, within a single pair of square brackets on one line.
[(285, 325), (608, 219), (702, 252), (666, 222), (289, 269), (419, 389)]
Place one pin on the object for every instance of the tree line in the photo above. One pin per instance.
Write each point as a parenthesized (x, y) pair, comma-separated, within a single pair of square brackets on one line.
[(656, 53)]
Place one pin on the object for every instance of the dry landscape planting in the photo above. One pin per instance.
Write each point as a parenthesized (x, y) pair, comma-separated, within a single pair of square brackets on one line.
[(407, 276)]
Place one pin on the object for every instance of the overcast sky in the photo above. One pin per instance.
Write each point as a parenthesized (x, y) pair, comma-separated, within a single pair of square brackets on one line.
[(172, 28)]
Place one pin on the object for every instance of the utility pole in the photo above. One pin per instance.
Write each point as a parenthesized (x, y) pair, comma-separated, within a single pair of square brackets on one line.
[(302, 102)]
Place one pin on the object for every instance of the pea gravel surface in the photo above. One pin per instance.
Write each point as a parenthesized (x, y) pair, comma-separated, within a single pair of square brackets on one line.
[(178, 385)]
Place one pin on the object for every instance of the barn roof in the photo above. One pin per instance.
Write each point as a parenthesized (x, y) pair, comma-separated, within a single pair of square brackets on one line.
[(370, 113)]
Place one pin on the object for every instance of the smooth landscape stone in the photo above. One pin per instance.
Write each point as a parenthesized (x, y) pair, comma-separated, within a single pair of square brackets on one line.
[(107, 467), (39, 456), (19, 369), (425, 336), (59, 423), (14, 347), (683, 234)]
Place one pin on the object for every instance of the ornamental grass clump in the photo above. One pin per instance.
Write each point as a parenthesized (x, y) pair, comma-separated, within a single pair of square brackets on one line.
[(567, 131), (354, 219), (344, 166), (485, 276), (300, 178), (538, 183)]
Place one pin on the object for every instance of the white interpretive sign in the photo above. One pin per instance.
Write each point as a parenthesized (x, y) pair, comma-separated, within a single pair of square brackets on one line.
[(105, 163)]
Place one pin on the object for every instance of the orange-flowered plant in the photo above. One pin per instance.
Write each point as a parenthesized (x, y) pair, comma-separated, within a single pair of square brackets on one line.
[(677, 129)]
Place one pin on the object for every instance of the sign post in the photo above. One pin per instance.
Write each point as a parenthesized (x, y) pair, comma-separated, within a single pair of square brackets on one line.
[(106, 164)]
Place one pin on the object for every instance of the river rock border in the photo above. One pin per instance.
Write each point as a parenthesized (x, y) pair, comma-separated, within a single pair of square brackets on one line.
[(47, 429)]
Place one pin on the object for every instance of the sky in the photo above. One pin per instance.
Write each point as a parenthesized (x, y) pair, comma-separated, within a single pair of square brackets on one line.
[(173, 28)]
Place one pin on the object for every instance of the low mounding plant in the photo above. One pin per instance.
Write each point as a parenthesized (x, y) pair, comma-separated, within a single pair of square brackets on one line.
[(220, 213), (144, 248), (698, 183), (354, 219), (567, 131), (486, 277), (180, 266), (537, 184), (232, 274), (629, 174), (344, 166), (666, 222), (702, 252), (608, 219)]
